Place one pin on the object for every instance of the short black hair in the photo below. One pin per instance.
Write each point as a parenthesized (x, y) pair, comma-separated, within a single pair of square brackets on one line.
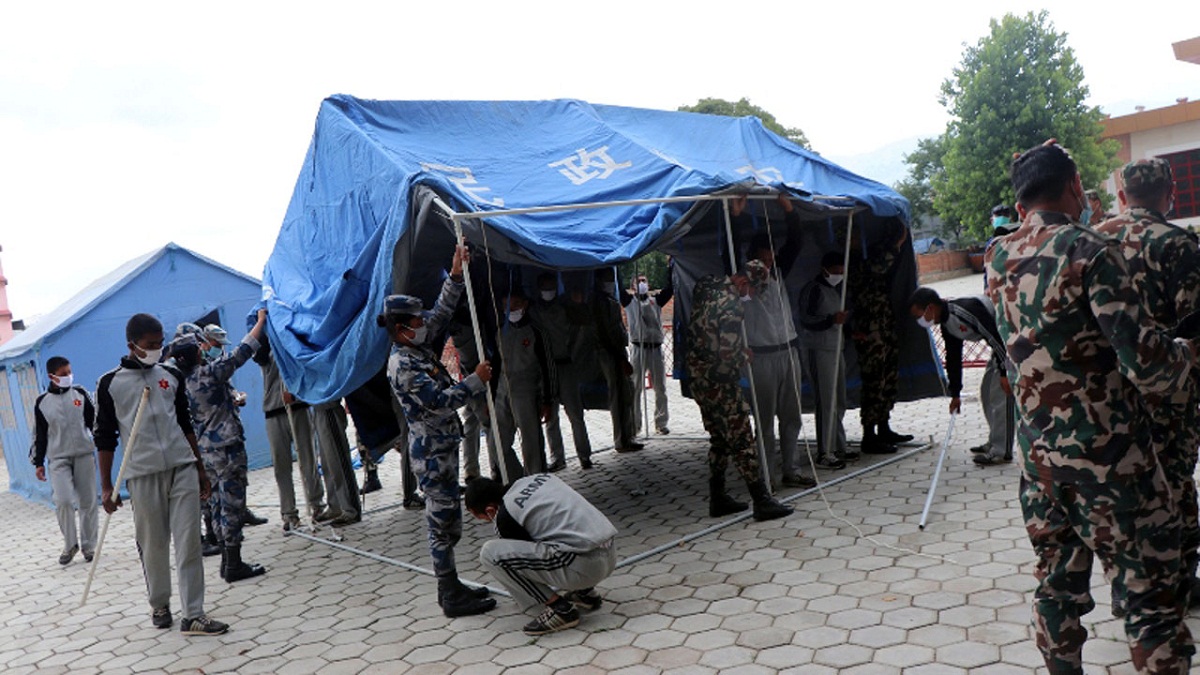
[(54, 363), (833, 259), (1143, 192), (924, 297), (759, 242), (482, 493), (140, 325), (1042, 172)]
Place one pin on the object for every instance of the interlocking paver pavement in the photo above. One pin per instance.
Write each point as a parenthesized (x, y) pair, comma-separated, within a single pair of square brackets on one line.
[(808, 594)]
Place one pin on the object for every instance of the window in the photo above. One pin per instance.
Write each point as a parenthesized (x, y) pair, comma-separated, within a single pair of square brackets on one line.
[(1186, 167), (26, 374)]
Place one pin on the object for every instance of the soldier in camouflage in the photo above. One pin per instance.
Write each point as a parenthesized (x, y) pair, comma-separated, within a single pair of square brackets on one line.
[(430, 399), (1083, 353), (1164, 262), (716, 355), (876, 341), (222, 442)]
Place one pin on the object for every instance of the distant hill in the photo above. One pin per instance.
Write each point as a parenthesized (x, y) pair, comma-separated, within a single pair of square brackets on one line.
[(885, 165)]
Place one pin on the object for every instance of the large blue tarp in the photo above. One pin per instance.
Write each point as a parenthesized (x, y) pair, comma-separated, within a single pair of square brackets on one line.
[(354, 199)]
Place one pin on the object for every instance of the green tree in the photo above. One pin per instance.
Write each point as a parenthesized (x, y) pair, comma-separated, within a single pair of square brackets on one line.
[(744, 108), (925, 165), (652, 264), (1016, 87)]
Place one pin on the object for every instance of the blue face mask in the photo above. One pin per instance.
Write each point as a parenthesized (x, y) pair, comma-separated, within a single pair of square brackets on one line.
[(214, 352), (1086, 214)]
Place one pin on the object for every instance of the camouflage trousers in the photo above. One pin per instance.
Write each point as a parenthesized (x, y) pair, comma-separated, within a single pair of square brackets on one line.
[(1134, 527), (226, 469), (435, 462), (726, 418), (1180, 436), (878, 367)]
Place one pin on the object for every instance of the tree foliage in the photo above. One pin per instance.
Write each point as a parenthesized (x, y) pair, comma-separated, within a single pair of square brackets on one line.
[(744, 108), (1016, 87)]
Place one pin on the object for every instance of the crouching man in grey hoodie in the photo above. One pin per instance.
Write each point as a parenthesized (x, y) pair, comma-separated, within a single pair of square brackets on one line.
[(554, 546)]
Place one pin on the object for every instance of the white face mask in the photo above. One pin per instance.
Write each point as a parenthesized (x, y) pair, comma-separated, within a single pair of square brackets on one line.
[(744, 298), (516, 315), (924, 323), (419, 334), (643, 288), (834, 279), (152, 356), (549, 295), (64, 381)]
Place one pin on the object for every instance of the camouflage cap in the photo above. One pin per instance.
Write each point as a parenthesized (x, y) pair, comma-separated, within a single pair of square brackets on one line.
[(402, 304), (758, 274), (214, 333), (187, 328), (1147, 174)]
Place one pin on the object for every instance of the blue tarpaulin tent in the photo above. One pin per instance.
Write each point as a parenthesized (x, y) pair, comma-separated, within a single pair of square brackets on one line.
[(370, 212), (172, 283)]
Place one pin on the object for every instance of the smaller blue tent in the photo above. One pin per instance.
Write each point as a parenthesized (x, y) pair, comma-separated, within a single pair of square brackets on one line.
[(368, 213), (172, 283)]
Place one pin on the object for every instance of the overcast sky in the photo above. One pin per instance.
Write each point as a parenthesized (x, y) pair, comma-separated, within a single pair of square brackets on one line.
[(127, 125)]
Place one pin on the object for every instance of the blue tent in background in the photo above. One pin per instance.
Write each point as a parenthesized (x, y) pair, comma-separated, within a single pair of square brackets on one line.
[(370, 212), (172, 283)]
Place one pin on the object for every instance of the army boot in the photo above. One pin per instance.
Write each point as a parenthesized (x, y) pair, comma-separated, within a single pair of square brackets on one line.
[(766, 507), (457, 600), (719, 501), (236, 570), (208, 542)]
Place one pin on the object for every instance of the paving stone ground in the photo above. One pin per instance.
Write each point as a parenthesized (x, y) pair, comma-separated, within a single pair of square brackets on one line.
[(847, 584)]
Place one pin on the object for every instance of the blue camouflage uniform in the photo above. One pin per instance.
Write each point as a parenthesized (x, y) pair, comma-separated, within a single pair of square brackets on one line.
[(219, 434), (430, 399)]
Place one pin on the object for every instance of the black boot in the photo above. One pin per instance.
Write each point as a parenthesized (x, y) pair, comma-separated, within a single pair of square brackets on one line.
[(873, 444), (236, 570), (766, 507), (888, 436), (719, 501), (371, 483), (457, 600), (208, 541), (224, 559), (480, 592), (250, 520)]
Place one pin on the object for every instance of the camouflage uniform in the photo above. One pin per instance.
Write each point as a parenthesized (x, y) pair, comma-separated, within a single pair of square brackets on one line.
[(715, 359), (1164, 261), (219, 434), (873, 328), (1082, 352), (430, 399)]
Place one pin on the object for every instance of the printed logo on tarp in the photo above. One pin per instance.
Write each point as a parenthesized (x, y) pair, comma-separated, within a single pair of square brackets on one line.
[(586, 164), (765, 175), (462, 177)]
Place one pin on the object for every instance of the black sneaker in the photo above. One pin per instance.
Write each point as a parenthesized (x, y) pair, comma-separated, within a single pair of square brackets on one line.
[(979, 449), (88, 555), (202, 626), (988, 460), (291, 523), (552, 620), (68, 555), (556, 467), (586, 599), (832, 463), (799, 480), (326, 514), (586, 463), (251, 520), (161, 617)]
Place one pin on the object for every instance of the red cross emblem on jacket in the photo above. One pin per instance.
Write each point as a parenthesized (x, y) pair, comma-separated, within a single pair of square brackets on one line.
[(163, 384), (78, 403)]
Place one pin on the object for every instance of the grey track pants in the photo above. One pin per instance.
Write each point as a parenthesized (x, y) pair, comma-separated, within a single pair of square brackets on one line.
[(73, 481), (534, 571), (166, 509)]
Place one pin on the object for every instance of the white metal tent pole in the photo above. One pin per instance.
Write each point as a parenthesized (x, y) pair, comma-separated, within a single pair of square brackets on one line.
[(841, 333), (479, 348), (133, 434), (937, 473), (456, 216), (758, 436)]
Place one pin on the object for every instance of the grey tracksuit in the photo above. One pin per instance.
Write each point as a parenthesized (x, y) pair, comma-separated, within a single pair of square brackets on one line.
[(824, 366), (161, 473), (62, 440), (643, 313), (552, 539)]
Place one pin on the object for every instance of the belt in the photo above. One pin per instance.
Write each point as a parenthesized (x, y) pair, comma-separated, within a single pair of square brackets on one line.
[(647, 345), (795, 342)]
